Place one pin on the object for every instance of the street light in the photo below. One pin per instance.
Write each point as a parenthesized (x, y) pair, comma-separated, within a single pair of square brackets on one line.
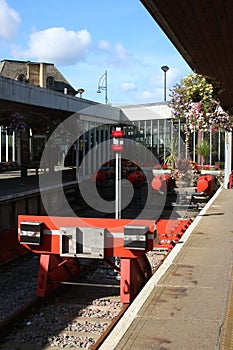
[(80, 92), (165, 69), (103, 85)]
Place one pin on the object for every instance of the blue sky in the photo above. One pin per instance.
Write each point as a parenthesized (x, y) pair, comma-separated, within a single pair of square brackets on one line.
[(85, 38)]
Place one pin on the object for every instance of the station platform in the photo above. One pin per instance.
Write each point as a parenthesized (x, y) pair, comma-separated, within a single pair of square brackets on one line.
[(13, 185), (188, 303)]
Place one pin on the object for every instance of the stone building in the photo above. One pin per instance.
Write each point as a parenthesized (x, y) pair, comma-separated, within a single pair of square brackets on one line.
[(45, 75), (28, 89)]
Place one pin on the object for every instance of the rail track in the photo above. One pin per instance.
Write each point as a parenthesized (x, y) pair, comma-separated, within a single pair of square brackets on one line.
[(78, 315)]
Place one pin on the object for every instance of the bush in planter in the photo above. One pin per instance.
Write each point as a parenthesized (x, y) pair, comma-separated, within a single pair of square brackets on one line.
[(184, 167), (172, 154), (203, 149)]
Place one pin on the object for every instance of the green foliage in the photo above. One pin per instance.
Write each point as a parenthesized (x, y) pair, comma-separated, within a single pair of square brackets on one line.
[(203, 148), (172, 153)]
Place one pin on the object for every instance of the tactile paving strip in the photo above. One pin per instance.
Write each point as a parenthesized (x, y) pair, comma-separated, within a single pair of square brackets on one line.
[(226, 339)]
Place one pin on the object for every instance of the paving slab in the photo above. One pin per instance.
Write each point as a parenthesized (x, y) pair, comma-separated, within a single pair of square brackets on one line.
[(183, 306)]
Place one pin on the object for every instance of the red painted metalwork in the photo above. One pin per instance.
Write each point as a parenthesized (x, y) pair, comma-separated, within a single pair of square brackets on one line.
[(134, 268), (205, 184), (117, 148), (134, 274), (100, 177), (136, 178), (117, 133), (54, 268), (170, 232), (230, 184), (165, 245), (163, 182), (114, 244), (159, 183)]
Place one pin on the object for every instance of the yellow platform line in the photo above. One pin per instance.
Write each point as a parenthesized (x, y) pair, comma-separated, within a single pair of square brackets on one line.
[(226, 338)]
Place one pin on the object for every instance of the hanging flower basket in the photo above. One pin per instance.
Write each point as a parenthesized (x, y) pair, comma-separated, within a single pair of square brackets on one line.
[(13, 122), (196, 100)]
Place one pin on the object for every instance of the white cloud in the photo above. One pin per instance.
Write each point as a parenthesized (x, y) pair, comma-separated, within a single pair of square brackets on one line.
[(148, 95), (155, 89), (57, 45), (156, 78), (9, 20), (128, 87), (173, 75), (120, 57), (104, 45), (121, 52), (116, 55)]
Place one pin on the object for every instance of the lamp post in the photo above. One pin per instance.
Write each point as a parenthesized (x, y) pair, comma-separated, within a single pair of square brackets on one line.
[(103, 85), (80, 92), (165, 69)]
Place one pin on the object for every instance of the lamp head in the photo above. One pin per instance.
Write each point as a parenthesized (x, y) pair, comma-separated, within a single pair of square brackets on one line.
[(165, 68)]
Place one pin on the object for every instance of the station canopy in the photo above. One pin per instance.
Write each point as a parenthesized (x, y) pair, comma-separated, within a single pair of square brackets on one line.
[(202, 33)]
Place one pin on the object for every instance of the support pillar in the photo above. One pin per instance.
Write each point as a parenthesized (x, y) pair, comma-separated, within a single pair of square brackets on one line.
[(134, 274), (228, 157), (54, 269)]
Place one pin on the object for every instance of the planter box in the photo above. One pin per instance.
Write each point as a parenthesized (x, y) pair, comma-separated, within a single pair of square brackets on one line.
[(211, 172), (161, 171)]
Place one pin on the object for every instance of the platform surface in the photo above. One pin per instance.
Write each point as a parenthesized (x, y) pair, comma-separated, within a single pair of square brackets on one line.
[(12, 187), (187, 304)]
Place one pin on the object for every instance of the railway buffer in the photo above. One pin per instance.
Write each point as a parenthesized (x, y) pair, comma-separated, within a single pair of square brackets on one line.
[(63, 241)]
